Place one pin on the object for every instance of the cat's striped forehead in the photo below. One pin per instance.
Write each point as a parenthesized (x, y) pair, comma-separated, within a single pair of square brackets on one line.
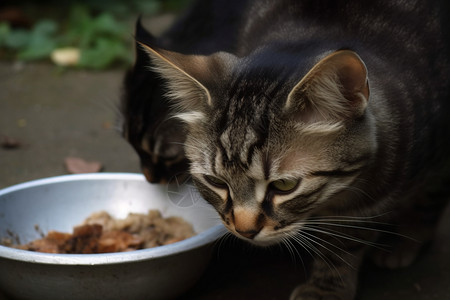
[(245, 145), (245, 119), (262, 150), (245, 131)]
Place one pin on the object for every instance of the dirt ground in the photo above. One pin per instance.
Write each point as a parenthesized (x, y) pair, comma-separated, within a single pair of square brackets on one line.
[(58, 114)]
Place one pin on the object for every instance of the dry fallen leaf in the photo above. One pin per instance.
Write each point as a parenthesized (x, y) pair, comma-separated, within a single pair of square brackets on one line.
[(8, 142), (76, 165)]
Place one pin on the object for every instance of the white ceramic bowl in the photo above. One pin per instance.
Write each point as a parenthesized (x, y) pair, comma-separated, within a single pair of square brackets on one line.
[(60, 203)]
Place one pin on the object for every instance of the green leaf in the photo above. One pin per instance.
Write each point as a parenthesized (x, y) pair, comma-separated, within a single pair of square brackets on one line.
[(175, 5), (106, 24), (102, 38), (41, 41), (79, 28), (17, 39), (40, 47), (103, 54), (5, 30), (148, 7), (79, 15), (45, 27)]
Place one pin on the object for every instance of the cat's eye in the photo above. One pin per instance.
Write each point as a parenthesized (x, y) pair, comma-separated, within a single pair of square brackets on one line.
[(216, 181), (284, 185)]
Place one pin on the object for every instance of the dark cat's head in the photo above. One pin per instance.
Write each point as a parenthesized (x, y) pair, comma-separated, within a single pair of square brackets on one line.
[(270, 140), (156, 136)]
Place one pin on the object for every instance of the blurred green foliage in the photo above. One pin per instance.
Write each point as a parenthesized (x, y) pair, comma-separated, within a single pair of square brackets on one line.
[(101, 39), (99, 29), (36, 43)]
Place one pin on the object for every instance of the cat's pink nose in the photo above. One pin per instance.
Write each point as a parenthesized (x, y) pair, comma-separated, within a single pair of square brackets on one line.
[(246, 223)]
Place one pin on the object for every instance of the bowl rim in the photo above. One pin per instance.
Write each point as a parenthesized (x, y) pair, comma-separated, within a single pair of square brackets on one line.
[(206, 237)]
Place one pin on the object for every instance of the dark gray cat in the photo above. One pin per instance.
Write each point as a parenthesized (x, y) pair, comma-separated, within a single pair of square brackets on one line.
[(312, 123)]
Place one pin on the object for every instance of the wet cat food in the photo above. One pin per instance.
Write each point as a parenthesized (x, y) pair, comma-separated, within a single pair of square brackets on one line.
[(101, 233)]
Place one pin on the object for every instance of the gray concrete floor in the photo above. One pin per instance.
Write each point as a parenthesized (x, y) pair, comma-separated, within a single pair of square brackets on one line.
[(55, 115), (59, 114)]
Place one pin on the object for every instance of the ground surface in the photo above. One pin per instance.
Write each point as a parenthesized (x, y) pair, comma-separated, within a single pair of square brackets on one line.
[(55, 115)]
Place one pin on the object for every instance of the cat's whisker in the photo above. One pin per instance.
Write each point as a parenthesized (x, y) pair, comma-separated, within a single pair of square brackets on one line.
[(316, 240), (108, 103), (115, 107), (356, 190), (327, 242), (292, 249), (360, 228), (111, 105), (341, 220), (357, 218), (288, 246), (220, 241), (340, 235), (307, 245), (287, 242), (298, 240), (331, 265)]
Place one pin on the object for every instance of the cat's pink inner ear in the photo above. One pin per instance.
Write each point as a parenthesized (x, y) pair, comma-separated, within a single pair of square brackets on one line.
[(183, 73), (352, 74), (192, 66), (335, 88)]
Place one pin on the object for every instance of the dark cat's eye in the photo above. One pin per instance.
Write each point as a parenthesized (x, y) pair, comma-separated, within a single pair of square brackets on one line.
[(216, 181), (284, 186)]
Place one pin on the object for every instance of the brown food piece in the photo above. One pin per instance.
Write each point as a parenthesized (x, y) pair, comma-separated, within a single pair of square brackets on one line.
[(100, 233), (85, 239), (52, 243), (118, 241)]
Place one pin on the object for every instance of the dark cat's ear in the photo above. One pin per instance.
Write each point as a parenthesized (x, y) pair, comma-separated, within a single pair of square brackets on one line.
[(142, 36), (335, 89)]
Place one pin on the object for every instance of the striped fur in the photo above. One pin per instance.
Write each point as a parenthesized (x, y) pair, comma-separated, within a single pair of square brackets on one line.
[(320, 123)]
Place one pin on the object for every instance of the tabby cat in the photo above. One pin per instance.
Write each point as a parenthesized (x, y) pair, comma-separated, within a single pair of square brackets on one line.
[(320, 123)]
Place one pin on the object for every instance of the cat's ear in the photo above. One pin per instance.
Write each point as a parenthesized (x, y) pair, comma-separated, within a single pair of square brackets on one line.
[(142, 36), (184, 75), (335, 89)]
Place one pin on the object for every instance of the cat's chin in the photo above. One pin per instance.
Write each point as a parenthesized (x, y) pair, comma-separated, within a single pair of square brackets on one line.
[(259, 242), (264, 242), (266, 239)]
